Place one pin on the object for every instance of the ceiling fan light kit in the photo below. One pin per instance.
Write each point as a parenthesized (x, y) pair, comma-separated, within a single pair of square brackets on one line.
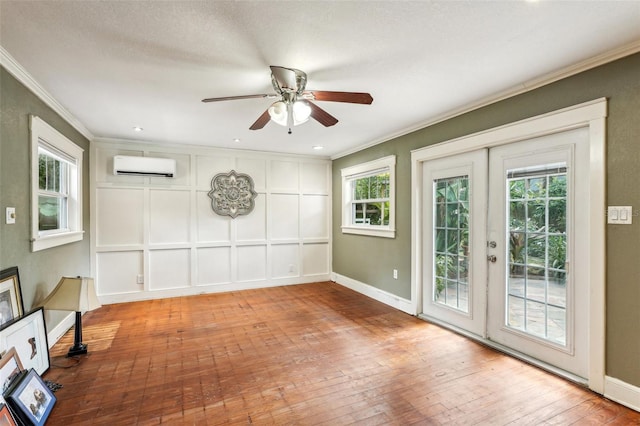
[(295, 106), (289, 114)]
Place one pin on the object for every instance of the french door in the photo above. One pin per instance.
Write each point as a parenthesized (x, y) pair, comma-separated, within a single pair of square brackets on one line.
[(455, 206), (502, 229)]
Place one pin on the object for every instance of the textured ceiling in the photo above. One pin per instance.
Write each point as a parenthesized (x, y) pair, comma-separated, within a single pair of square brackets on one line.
[(118, 64)]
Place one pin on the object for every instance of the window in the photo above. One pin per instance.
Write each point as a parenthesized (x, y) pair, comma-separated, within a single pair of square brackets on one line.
[(56, 193), (368, 195)]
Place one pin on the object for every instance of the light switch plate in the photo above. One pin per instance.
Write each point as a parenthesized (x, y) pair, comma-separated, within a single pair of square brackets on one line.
[(11, 216), (620, 215)]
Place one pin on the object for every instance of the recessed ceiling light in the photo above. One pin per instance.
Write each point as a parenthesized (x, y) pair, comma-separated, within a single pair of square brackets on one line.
[(137, 129), (318, 147), (236, 139)]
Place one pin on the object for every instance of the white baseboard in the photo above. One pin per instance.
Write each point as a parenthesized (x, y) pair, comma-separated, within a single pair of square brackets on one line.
[(107, 299), (59, 330), (622, 392), (385, 297)]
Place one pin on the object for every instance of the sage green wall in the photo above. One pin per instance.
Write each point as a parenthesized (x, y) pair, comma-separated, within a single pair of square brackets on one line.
[(371, 260), (39, 271)]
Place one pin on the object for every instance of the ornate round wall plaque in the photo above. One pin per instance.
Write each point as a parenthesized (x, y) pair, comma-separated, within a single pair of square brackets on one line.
[(232, 194)]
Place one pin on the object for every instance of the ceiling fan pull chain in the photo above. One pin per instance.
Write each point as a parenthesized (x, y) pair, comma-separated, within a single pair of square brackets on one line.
[(289, 116)]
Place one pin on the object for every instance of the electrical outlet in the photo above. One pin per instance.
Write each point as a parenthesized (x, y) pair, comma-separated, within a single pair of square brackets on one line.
[(140, 279), (395, 274)]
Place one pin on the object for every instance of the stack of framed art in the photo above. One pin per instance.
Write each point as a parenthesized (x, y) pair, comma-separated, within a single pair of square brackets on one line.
[(26, 399), (11, 305)]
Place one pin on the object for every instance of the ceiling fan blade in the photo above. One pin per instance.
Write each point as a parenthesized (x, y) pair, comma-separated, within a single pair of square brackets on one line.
[(350, 97), (261, 121), (233, 98), (322, 116)]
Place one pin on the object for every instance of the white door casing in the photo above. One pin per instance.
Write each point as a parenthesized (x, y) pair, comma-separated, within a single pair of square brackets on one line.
[(592, 117)]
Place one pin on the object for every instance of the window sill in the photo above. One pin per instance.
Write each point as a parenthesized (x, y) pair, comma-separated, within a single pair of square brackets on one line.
[(55, 240), (370, 231)]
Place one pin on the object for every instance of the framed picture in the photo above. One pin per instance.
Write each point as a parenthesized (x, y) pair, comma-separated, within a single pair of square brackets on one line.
[(6, 419), (10, 368), (31, 399), (28, 336), (11, 306)]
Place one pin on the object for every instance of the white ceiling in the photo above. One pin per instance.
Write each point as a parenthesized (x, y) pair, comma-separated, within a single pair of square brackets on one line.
[(118, 64)]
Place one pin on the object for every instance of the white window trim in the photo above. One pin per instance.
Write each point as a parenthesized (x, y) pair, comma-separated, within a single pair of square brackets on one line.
[(353, 172), (42, 132)]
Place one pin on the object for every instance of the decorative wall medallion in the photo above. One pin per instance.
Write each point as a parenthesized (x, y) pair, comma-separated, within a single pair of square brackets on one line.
[(232, 194)]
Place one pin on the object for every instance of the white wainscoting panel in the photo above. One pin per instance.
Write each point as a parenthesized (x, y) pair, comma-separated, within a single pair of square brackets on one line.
[(119, 216), (156, 237), (211, 227), (214, 265), (209, 166), (169, 268), (284, 176), (315, 178), (169, 216), (284, 212), (256, 168), (285, 260), (315, 259), (252, 263), (117, 272), (253, 227), (315, 216)]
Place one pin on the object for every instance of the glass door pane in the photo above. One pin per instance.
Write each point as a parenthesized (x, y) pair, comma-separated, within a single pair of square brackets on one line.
[(537, 241), (451, 242)]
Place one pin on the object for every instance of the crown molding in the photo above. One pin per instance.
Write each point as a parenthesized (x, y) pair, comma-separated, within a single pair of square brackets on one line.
[(15, 69), (593, 62), (196, 149)]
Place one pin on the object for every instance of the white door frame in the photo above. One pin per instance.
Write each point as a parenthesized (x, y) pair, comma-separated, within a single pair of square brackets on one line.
[(589, 114)]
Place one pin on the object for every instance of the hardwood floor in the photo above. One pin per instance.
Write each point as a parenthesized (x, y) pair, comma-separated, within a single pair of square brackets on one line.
[(315, 354)]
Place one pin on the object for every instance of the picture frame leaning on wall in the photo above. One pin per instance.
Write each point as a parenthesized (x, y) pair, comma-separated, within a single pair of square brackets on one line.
[(31, 399), (11, 305), (10, 369), (28, 335), (6, 418)]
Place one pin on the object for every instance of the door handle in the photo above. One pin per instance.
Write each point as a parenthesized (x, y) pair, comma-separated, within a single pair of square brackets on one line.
[(492, 258)]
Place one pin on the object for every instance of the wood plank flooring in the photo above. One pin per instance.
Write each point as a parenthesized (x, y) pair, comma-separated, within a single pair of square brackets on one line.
[(314, 354)]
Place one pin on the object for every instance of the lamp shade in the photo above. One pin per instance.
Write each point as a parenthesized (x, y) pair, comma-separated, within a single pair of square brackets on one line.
[(73, 294), (278, 113)]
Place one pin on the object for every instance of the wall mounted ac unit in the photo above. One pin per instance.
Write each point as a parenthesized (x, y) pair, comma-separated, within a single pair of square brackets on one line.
[(143, 166)]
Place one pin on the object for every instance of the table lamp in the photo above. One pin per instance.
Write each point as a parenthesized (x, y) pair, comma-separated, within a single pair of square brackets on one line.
[(74, 294)]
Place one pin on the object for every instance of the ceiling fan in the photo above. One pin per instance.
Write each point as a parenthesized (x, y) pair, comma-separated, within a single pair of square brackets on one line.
[(295, 106)]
